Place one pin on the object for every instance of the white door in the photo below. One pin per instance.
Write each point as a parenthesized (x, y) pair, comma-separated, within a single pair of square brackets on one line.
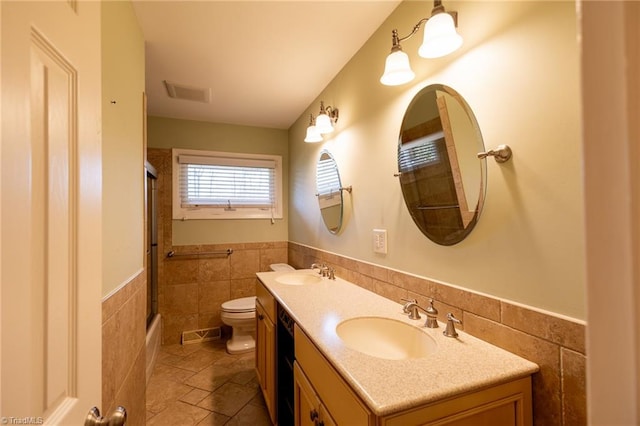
[(50, 200)]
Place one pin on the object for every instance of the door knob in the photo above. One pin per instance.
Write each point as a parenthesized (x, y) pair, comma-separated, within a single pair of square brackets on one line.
[(117, 418)]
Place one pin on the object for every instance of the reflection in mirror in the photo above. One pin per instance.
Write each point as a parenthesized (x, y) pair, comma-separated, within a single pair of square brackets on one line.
[(329, 193), (442, 180)]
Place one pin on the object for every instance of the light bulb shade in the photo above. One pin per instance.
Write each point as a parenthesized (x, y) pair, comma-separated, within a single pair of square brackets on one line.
[(323, 124), (313, 135), (440, 37), (397, 69)]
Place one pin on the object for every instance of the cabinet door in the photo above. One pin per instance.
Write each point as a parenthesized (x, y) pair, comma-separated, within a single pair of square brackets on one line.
[(305, 399), (335, 394), (325, 417), (309, 410), (265, 359)]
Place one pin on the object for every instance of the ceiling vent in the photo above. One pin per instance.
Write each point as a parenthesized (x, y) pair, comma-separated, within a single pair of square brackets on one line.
[(188, 93)]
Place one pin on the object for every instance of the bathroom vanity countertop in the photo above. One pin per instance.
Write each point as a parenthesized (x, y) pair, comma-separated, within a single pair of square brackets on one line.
[(459, 365)]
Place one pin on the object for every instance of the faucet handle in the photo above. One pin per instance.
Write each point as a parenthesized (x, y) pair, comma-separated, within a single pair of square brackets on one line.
[(405, 308), (432, 316), (430, 309), (450, 331)]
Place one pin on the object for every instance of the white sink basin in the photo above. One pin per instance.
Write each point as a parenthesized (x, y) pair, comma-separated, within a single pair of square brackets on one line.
[(385, 338), (299, 278)]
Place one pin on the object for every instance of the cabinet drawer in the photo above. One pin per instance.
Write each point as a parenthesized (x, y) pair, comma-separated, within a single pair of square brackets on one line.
[(267, 300), (343, 405), (508, 404)]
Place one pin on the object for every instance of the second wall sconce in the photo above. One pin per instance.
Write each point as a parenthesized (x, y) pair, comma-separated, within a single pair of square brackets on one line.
[(323, 123), (313, 135), (440, 39)]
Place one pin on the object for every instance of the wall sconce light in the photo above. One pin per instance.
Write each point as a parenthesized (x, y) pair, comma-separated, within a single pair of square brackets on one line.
[(440, 39), (326, 118), (323, 124), (312, 132)]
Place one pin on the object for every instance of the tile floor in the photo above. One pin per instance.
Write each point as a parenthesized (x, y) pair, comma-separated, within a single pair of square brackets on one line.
[(201, 384)]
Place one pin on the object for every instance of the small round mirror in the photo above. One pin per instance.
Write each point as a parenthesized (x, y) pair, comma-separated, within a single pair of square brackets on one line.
[(329, 193), (443, 181)]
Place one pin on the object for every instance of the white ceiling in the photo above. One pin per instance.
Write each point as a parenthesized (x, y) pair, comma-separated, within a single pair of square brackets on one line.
[(265, 61)]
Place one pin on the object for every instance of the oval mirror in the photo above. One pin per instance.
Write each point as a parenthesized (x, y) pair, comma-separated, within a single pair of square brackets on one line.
[(329, 191), (443, 181)]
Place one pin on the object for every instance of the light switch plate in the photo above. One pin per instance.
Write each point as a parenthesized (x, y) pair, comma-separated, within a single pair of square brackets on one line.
[(380, 241)]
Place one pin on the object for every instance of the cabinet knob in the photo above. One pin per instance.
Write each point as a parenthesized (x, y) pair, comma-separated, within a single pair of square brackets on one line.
[(313, 414), (260, 317)]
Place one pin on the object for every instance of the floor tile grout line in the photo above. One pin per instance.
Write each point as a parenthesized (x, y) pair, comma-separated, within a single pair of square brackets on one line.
[(238, 365)]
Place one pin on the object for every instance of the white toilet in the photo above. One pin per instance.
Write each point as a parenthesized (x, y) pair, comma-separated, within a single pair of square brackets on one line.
[(281, 267), (240, 315)]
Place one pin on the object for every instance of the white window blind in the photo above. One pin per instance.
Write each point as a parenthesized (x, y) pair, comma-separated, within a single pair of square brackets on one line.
[(232, 183), (223, 186), (327, 178), (420, 152)]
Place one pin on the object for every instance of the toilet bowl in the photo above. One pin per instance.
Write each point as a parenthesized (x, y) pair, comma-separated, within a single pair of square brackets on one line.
[(240, 315)]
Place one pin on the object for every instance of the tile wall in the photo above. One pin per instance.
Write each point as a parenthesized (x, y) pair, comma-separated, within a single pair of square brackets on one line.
[(557, 345), (123, 350), (192, 288)]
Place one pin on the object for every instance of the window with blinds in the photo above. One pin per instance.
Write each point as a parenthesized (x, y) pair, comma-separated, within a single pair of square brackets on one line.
[(216, 185), (419, 152), (327, 178)]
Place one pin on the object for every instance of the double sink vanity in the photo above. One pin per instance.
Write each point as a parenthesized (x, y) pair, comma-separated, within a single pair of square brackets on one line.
[(330, 352)]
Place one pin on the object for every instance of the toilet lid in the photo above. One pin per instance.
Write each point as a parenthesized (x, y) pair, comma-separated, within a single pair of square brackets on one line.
[(243, 304), (281, 267)]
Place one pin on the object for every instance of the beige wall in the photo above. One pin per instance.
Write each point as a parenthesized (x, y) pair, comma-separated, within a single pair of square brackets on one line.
[(169, 133), (124, 281), (518, 70), (122, 145)]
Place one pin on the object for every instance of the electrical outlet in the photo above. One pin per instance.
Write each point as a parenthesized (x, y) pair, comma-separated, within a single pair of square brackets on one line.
[(380, 241)]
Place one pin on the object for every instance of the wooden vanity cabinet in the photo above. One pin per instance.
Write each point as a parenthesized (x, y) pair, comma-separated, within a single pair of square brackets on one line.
[(321, 395), (316, 380), (266, 347)]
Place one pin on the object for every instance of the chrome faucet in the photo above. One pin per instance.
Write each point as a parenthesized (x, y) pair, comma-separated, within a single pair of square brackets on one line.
[(450, 331), (324, 270), (412, 308), (318, 266)]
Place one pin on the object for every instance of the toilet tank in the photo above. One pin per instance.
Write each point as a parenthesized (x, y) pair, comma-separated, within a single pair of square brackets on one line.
[(281, 267)]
